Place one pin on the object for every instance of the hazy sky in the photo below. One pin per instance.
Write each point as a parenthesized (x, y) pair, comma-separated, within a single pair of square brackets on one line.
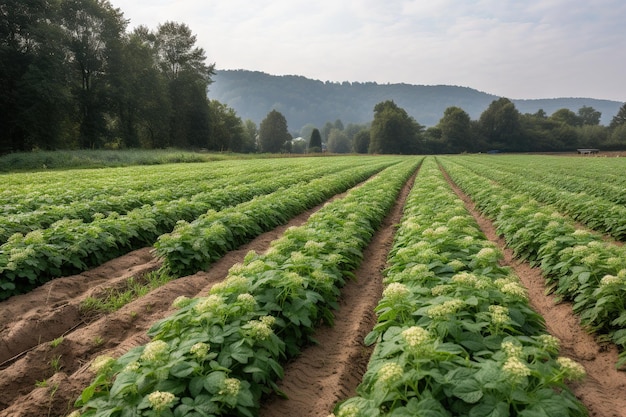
[(510, 48)]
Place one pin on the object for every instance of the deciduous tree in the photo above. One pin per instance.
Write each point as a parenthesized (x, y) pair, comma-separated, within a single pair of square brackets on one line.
[(589, 116), (273, 132), (394, 131), (456, 133), (620, 118)]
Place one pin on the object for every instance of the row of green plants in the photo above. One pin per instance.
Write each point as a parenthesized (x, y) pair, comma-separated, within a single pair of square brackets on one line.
[(579, 265), (28, 191), (125, 196), (219, 354), (39, 202), (193, 246), (20, 192), (601, 177), (70, 245), (598, 213), (455, 334)]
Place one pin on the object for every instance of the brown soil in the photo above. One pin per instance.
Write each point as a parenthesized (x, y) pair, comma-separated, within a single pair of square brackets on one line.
[(314, 381)]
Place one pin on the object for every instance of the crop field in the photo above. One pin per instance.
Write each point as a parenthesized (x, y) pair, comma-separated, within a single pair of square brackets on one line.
[(473, 285)]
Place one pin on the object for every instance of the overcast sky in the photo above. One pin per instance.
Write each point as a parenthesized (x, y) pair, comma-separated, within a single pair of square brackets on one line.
[(510, 48)]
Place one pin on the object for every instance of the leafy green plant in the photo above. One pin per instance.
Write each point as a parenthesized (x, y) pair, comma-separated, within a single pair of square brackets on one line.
[(217, 355), (455, 334), (574, 261)]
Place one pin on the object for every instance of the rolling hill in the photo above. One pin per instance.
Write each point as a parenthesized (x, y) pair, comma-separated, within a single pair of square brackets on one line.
[(304, 101)]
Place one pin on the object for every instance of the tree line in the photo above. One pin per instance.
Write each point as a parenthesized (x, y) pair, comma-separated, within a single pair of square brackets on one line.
[(73, 77), (501, 127)]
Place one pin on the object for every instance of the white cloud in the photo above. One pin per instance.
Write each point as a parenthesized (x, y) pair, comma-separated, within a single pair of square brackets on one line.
[(517, 49)]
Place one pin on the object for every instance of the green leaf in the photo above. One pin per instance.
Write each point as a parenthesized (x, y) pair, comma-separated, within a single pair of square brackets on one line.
[(245, 398), (490, 407), (196, 385), (468, 390), (122, 382), (181, 369), (213, 382)]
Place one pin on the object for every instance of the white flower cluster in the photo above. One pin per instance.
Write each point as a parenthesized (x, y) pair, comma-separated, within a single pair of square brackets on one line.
[(515, 368), (456, 265), (441, 289), (237, 283), (549, 343), (416, 337), (313, 246), (293, 279), (299, 258), (34, 237), (580, 250), (389, 373), (181, 301), (230, 387), (487, 254), (446, 308), (211, 304), (101, 363), (236, 269), (200, 350), (259, 330), (155, 351), (458, 221), (572, 370), (349, 410), (581, 233), (591, 259), (160, 400), (512, 350), (396, 292), (471, 280), (515, 290), (499, 314), (132, 367), (268, 320), (609, 280), (247, 300), (466, 241)]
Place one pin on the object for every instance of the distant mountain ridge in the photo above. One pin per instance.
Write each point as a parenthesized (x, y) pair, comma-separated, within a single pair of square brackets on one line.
[(302, 100)]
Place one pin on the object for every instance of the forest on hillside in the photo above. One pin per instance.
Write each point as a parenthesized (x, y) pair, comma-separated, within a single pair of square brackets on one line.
[(307, 101)]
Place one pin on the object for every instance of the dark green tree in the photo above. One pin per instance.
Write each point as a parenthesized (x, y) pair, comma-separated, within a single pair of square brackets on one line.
[(184, 65), (338, 142), (456, 133), (361, 141), (566, 116), (620, 118), (315, 141), (499, 126), (589, 116), (394, 131), (34, 103), (140, 94), (273, 132), (94, 30), (227, 129), (251, 133)]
